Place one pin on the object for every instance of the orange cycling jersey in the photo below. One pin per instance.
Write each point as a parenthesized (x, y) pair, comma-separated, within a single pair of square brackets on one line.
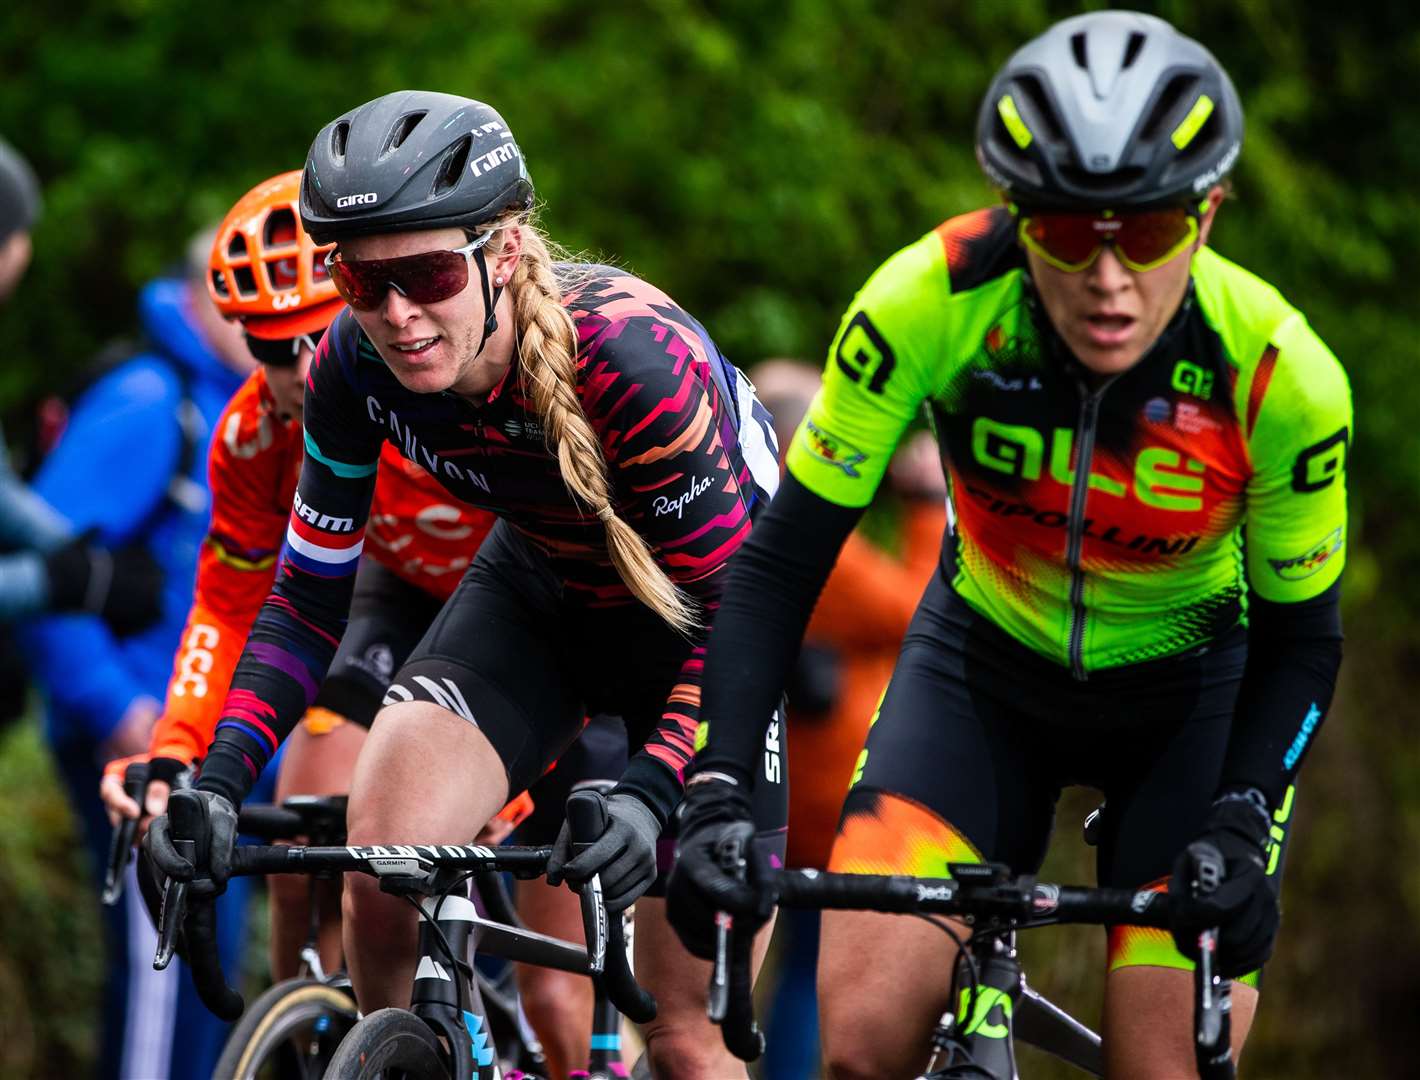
[(415, 528)]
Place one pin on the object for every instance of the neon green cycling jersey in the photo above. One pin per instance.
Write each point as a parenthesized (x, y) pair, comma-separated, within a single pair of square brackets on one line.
[(1099, 522)]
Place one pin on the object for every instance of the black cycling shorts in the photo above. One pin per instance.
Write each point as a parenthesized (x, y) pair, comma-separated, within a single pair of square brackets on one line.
[(977, 735), (509, 654), (388, 616)]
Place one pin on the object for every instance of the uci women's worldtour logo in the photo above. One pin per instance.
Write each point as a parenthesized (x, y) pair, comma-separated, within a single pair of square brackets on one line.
[(1304, 566), (832, 450)]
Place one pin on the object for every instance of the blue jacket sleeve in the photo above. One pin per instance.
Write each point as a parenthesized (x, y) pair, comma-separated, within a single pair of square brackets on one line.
[(28, 526), (108, 473)]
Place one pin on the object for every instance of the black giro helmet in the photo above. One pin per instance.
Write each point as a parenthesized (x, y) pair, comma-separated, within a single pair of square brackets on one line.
[(19, 193), (413, 159), (1114, 108)]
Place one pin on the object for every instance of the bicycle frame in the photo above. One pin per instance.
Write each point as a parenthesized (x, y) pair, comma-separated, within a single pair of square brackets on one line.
[(1000, 1008)]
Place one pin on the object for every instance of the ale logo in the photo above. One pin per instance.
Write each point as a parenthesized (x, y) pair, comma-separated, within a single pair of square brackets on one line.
[(1304, 566), (1163, 478), (832, 450), (1189, 378), (863, 352), (1321, 463)]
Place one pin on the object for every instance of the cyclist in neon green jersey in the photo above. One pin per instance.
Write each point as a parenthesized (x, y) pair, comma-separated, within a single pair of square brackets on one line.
[(1146, 446)]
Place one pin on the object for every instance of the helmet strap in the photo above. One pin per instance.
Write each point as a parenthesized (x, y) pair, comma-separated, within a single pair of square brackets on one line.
[(491, 294)]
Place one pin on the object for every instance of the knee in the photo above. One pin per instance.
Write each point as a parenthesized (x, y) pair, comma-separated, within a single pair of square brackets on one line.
[(859, 1046), (678, 1054)]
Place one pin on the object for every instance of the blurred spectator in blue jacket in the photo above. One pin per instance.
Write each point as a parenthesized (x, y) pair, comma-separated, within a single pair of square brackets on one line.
[(131, 467)]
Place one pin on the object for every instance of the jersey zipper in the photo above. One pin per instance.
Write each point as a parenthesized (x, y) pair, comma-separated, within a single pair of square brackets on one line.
[(1079, 495)]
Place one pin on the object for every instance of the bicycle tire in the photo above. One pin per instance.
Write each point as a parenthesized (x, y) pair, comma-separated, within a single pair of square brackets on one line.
[(274, 1019), (390, 1039)]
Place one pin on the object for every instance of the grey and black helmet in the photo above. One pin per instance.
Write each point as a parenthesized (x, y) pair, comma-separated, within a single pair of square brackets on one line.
[(413, 159), (19, 193), (1113, 108)]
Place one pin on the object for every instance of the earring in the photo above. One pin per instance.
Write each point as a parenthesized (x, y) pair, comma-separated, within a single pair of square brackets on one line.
[(497, 281)]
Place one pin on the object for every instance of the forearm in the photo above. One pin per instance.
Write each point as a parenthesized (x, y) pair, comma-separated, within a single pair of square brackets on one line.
[(1294, 652), (775, 580), (281, 668)]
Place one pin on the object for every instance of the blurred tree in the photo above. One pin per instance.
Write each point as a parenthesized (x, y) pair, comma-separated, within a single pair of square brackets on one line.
[(758, 160)]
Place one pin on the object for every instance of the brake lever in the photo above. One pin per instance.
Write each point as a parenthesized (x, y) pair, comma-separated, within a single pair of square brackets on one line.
[(120, 848), (170, 915), (1212, 1021)]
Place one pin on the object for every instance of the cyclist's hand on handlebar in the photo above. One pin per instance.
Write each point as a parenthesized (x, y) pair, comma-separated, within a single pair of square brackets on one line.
[(216, 836), (624, 855), (715, 817), (163, 774), (1243, 905), (116, 802)]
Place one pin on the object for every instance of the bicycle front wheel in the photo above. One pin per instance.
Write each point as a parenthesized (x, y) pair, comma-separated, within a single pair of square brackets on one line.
[(289, 1033), (388, 1043)]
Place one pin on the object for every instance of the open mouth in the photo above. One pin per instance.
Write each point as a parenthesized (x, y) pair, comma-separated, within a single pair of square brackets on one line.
[(413, 350), (1109, 329)]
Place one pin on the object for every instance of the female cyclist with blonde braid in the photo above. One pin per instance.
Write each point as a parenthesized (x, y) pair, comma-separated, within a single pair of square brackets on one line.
[(266, 271), (624, 456)]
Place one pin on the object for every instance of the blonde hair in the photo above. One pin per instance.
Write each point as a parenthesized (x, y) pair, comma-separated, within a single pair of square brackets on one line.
[(547, 350)]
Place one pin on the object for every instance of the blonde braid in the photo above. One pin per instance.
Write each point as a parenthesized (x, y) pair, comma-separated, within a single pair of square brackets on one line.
[(547, 355)]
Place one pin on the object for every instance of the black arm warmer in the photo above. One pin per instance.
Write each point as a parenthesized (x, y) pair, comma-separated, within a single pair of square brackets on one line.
[(775, 579), (1294, 651)]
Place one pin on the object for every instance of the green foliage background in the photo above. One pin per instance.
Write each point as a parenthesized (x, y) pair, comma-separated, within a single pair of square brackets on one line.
[(758, 160)]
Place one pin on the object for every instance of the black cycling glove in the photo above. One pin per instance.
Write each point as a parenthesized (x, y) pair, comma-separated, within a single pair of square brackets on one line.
[(716, 826), (624, 855), (1243, 905), (124, 586), (209, 820)]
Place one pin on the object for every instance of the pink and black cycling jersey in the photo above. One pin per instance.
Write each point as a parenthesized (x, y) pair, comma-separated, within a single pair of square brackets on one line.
[(690, 454)]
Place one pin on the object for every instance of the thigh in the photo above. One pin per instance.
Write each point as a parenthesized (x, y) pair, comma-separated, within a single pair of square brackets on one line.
[(425, 775), (320, 762), (493, 659), (951, 771)]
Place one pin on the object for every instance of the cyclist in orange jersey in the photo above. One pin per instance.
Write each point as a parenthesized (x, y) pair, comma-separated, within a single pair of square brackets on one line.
[(267, 272)]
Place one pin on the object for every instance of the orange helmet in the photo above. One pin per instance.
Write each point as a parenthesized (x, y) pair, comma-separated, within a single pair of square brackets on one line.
[(264, 268)]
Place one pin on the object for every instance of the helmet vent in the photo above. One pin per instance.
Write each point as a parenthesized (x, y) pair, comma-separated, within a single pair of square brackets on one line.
[(1041, 110), (402, 129), (1134, 48), (280, 228), (219, 284), (452, 168), (1077, 47), (246, 282), (237, 246), (1179, 88), (339, 137)]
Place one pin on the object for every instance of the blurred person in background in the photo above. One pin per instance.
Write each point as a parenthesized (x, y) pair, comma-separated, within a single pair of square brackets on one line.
[(130, 468), (844, 665), (45, 567)]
